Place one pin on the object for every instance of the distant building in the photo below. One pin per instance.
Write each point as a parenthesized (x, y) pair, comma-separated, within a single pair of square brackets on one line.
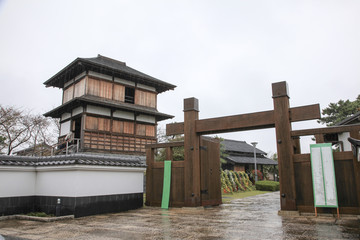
[(38, 150), (340, 139), (240, 156), (108, 106)]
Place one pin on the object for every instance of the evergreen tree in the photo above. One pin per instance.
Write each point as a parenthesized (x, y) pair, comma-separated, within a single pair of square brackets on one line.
[(336, 112)]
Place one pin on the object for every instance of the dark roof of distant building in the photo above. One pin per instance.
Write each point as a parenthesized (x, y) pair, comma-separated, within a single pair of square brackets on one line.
[(93, 100), (105, 65), (243, 153), (250, 160), (353, 119), (74, 159), (240, 147)]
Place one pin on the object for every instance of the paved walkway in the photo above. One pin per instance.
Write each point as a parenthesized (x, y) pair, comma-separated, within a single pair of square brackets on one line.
[(250, 218)]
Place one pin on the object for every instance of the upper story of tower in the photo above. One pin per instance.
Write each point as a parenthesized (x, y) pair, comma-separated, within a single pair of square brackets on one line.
[(107, 82)]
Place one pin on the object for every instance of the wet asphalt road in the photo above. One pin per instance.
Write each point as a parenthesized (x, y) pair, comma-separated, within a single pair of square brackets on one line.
[(250, 218)]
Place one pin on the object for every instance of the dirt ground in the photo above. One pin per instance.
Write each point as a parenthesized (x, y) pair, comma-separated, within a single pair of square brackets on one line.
[(249, 218)]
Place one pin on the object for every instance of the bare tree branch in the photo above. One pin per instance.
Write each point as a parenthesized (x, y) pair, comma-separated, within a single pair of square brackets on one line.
[(18, 128)]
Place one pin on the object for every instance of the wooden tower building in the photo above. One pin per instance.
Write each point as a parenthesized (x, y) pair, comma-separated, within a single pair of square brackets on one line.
[(107, 105)]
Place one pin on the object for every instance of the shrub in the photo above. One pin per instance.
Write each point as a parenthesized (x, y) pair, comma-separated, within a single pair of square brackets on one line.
[(267, 186), (235, 181), (224, 186), (259, 174)]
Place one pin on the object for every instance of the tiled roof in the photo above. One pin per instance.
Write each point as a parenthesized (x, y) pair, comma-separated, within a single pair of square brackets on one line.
[(355, 118), (250, 160), (74, 159), (56, 113), (108, 66), (239, 146)]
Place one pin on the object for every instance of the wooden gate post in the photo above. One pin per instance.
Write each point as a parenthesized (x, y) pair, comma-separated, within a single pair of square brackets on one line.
[(191, 154), (285, 149), (356, 134)]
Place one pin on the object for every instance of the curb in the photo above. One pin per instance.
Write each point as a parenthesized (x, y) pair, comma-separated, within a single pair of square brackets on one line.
[(39, 219)]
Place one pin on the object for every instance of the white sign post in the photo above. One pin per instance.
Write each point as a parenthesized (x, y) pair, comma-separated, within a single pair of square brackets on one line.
[(323, 176)]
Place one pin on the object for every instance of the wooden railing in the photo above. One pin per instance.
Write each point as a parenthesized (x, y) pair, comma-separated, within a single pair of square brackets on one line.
[(59, 147)]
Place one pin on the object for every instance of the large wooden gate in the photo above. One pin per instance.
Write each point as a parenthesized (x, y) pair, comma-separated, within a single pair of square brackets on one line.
[(294, 167), (210, 172), (209, 175)]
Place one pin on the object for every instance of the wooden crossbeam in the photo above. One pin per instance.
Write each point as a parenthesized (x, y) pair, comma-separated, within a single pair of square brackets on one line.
[(327, 130), (244, 122)]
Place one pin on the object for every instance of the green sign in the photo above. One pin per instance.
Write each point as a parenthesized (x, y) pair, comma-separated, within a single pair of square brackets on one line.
[(166, 185), (323, 175)]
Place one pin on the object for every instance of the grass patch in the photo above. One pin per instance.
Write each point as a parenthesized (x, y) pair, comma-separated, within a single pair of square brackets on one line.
[(228, 197)]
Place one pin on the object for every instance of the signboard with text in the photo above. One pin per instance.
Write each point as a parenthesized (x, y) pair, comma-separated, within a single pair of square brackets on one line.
[(323, 175)]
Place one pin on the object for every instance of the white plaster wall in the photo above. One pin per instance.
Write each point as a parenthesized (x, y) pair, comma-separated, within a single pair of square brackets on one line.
[(145, 118), (98, 110), (139, 85), (344, 138), (17, 181), (123, 81), (56, 183), (79, 181), (124, 115), (77, 110), (65, 128), (65, 116), (92, 183), (99, 75), (70, 181)]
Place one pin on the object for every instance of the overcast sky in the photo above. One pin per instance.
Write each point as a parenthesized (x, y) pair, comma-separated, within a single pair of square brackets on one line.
[(225, 53)]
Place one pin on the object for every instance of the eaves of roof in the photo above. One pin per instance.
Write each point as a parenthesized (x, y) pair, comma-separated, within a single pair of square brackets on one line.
[(349, 120), (240, 147), (97, 101), (108, 66), (250, 160)]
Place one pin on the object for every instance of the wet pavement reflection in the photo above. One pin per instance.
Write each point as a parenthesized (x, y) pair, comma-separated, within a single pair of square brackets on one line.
[(249, 218)]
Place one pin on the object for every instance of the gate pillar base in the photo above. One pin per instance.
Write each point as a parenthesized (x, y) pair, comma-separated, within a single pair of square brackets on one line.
[(288, 213), (288, 204)]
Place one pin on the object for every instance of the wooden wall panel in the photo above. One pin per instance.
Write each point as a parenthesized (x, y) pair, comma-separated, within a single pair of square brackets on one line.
[(126, 127), (105, 89), (119, 93), (118, 126), (150, 130), (93, 87), (155, 175), (144, 98), (145, 130), (79, 88), (99, 88), (140, 129), (102, 141), (345, 179), (129, 127), (157, 186), (104, 124), (303, 183), (177, 195), (91, 123), (68, 94), (114, 91)]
